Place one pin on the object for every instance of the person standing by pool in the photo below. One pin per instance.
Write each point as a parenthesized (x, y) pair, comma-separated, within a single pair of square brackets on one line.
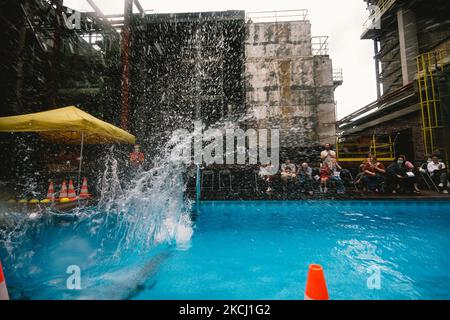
[(137, 158), (327, 154), (438, 173)]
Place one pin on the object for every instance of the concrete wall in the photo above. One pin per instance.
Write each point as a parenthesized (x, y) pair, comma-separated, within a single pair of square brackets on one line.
[(409, 46), (286, 86)]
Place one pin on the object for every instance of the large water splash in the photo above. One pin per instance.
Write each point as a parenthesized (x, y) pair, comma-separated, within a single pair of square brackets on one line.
[(134, 219), (151, 210)]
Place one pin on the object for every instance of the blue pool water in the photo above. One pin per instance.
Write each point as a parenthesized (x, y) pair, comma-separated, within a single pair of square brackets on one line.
[(255, 250)]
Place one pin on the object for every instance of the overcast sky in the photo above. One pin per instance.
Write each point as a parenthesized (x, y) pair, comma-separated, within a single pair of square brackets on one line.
[(340, 20)]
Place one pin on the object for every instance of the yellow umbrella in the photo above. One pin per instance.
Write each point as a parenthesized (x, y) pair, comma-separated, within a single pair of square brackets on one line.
[(68, 125)]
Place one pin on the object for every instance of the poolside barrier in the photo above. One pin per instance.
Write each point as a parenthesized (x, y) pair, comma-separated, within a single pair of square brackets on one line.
[(84, 194), (316, 287), (71, 193), (3, 290), (64, 200), (197, 187), (63, 191)]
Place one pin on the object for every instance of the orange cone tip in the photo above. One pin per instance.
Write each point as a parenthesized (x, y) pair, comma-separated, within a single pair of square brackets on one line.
[(316, 287), (3, 290), (51, 192), (84, 193), (71, 193)]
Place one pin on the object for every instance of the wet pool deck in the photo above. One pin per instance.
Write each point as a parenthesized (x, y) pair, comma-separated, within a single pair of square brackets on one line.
[(331, 195), (215, 196), (38, 208)]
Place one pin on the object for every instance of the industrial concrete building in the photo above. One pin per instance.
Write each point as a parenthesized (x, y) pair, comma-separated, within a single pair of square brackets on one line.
[(412, 54), (290, 82), (263, 67)]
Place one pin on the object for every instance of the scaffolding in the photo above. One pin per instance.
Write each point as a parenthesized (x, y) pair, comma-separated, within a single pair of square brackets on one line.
[(430, 68), (382, 147)]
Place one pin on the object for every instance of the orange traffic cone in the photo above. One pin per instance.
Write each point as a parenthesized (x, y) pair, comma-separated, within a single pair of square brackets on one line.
[(71, 193), (51, 192), (84, 194), (316, 287), (63, 192), (3, 290)]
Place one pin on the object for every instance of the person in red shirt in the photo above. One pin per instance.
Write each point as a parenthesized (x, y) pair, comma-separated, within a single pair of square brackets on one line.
[(136, 157), (324, 177), (373, 174)]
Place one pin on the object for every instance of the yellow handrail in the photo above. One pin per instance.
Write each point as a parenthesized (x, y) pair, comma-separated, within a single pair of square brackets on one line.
[(383, 150), (428, 64)]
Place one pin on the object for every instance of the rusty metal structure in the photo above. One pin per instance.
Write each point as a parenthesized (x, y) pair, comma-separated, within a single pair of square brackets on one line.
[(54, 55), (137, 69), (412, 45)]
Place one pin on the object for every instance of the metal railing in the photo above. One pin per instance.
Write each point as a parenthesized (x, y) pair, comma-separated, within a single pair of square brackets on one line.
[(383, 147), (430, 66), (377, 11), (338, 75), (277, 16), (319, 45), (198, 188)]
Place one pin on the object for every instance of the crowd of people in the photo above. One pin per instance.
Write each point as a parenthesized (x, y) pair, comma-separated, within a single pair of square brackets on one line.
[(401, 176), (306, 177)]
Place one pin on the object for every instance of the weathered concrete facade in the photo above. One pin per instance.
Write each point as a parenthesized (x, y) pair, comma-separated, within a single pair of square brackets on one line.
[(287, 87)]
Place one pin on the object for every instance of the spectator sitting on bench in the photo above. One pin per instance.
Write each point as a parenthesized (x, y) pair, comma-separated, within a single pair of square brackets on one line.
[(438, 173), (410, 172), (373, 174), (335, 176), (359, 177), (265, 173), (397, 178), (288, 171), (324, 177), (305, 177)]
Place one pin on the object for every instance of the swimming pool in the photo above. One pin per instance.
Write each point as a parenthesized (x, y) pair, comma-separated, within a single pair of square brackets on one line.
[(256, 250)]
